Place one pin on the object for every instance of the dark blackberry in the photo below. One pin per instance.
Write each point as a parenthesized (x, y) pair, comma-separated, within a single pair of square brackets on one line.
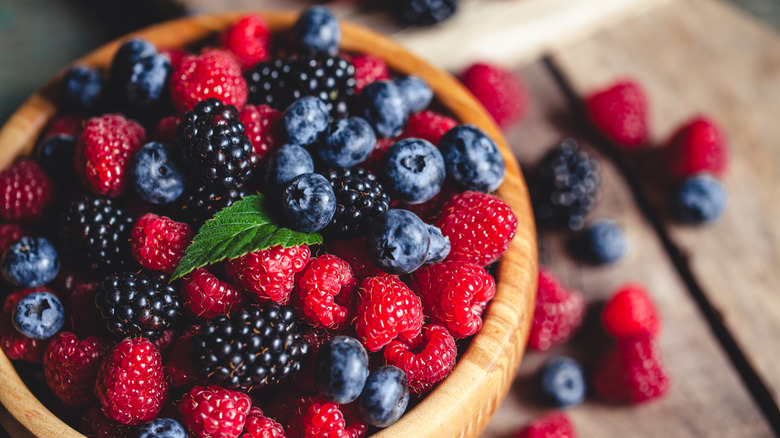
[(133, 305), (255, 347), (97, 233), (565, 186), (216, 148), (360, 198), (424, 12), (267, 83), (203, 202)]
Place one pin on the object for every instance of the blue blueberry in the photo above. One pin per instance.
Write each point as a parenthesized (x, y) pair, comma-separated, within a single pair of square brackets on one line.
[(30, 262), (398, 241), (148, 80), (305, 120), (39, 315), (562, 382), (604, 242), (473, 159), (162, 428), (285, 164), (318, 31), (413, 170), (157, 177), (341, 369), (699, 199), (349, 143), (83, 88), (385, 396), (308, 202), (55, 155), (416, 93), (383, 105), (129, 53), (439, 248)]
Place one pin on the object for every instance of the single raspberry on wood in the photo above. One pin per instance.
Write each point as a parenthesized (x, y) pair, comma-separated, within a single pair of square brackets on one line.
[(699, 145), (16, 345), (259, 426), (326, 291), (159, 242), (262, 126), (206, 296), (502, 94), (552, 425), (631, 312), (632, 372), (620, 111), (428, 125), (248, 40), (26, 192), (368, 69), (269, 273), (214, 74), (426, 359), (387, 310), (9, 233), (558, 313), (71, 367), (214, 412)]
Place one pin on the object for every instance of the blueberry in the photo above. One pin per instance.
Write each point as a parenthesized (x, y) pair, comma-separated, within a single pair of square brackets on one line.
[(318, 31), (604, 242), (341, 369), (129, 53), (383, 105), (157, 177), (55, 155), (439, 248), (147, 81), (39, 315), (82, 88), (385, 396), (162, 428), (308, 202), (413, 170), (562, 382), (305, 120), (699, 199), (416, 93), (285, 164), (30, 262), (473, 159), (349, 143), (398, 241)]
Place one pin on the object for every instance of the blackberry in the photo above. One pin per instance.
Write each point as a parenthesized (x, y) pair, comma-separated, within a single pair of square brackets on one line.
[(424, 12), (203, 202), (565, 186), (360, 199), (134, 305), (255, 347), (267, 83), (96, 232)]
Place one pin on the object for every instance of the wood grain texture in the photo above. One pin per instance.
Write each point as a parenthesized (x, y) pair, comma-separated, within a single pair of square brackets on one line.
[(462, 405), (702, 56)]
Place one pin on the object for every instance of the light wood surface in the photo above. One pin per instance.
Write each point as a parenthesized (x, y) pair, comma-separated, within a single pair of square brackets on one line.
[(462, 405)]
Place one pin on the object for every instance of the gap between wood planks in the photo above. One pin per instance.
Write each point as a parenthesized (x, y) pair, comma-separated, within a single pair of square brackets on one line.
[(758, 389)]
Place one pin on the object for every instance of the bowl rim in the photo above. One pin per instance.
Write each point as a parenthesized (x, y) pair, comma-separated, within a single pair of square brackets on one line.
[(462, 404)]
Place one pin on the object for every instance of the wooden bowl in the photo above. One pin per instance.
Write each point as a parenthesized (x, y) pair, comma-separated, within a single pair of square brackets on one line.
[(463, 403)]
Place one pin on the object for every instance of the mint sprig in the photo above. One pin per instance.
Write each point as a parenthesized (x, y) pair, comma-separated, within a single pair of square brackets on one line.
[(239, 229)]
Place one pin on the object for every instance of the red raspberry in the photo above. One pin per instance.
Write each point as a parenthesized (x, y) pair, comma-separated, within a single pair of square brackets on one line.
[(67, 124), (388, 309), (426, 359), (165, 130), (325, 419), (26, 192), (103, 427), (620, 112), (259, 426), (368, 69), (131, 383), (206, 296), (501, 92), (454, 294), (480, 227), (558, 314), (632, 372), (269, 273), (354, 252), (428, 125), (165, 342), (104, 151), (214, 412), (9, 233), (248, 40), (429, 210), (175, 55), (214, 73), (262, 125), (159, 243), (71, 367), (552, 425), (631, 312), (700, 145), (289, 404), (80, 311), (179, 369), (16, 345), (326, 291)]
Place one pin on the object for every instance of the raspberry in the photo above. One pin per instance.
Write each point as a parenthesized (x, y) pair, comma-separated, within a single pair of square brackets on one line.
[(159, 242), (454, 294), (165, 130), (9, 233), (26, 192), (480, 227), (429, 210), (214, 74), (71, 367), (206, 296), (131, 383), (632, 372), (164, 344), (700, 145), (551, 425), (558, 314), (104, 151), (175, 55), (426, 359), (325, 419), (354, 252), (262, 126), (502, 94), (368, 69), (248, 40), (325, 290), (269, 273), (630, 312), (180, 371), (80, 311), (388, 309), (259, 426), (214, 412), (428, 125), (16, 345), (620, 112), (67, 124), (103, 427)]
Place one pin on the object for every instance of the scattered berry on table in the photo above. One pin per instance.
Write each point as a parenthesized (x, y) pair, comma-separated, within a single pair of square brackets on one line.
[(305, 120), (288, 162), (554, 424), (562, 382), (26, 190), (699, 145), (317, 31), (269, 273), (30, 262), (9, 233), (157, 176), (71, 367), (428, 125), (632, 372), (214, 74), (413, 170), (439, 248), (424, 12), (631, 312), (385, 396), (354, 252), (16, 345), (248, 39), (416, 92), (368, 69), (162, 428), (360, 198), (325, 292), (699, 199), (83, 88), (383, 105), (499, 91), (130, 52), (55, 155), (398, 241), (206, 296), (603, 242), (620, 112), (39, 315), (158, 243), (387, 310), (558, 314), (341, 369), (259, 426), (148, 82), (426, 359), (262, 126), (349, 142), (473, 160), (214, 412)]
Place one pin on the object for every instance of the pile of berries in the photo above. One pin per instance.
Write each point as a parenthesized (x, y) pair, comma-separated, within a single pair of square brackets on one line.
[(333, 339)]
